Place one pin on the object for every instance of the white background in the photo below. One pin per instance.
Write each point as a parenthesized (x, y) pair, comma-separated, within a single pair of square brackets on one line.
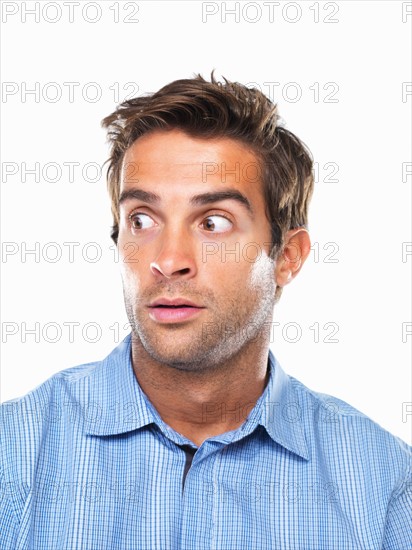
[(366, 213)]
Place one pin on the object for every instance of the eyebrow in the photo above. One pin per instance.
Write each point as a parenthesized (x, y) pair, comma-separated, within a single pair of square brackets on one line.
[(196, 200)]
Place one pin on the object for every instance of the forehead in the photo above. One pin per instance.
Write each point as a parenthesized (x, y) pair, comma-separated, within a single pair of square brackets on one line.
[(173, 155)]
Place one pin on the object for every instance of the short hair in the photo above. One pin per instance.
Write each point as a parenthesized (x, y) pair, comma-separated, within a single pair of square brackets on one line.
[(215, 109)]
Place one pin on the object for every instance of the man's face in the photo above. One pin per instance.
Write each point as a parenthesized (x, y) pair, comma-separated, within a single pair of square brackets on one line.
[(211, 251)]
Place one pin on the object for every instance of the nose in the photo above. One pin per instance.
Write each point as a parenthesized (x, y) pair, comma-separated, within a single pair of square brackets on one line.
[(176, 257)]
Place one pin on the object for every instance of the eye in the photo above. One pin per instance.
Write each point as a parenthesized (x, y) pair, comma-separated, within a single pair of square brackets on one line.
[(141, 221), (217, 223)]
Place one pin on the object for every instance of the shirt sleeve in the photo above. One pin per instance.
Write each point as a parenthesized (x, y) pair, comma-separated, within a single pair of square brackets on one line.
[(8, 524), (398, 528)]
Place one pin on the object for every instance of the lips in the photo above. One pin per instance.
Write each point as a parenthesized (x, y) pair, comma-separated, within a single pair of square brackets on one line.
[(172, 307), (176, 303), (174, 311)]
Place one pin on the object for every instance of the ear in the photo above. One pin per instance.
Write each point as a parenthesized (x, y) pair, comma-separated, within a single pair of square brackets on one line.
[(293, 255)]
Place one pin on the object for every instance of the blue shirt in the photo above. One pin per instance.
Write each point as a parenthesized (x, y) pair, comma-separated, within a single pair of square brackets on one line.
[(86, 463)]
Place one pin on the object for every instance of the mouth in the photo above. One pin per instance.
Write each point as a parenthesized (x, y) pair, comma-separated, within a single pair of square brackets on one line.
[(183, 305), (163, 313), (175, 303)]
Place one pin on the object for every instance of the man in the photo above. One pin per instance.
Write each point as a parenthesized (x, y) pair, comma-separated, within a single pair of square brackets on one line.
[(189, 435)]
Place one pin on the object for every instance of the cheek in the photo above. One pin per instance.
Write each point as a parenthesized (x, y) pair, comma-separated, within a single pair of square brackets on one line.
[(129, 253), (131, 266), (241, 274), (262, 274)]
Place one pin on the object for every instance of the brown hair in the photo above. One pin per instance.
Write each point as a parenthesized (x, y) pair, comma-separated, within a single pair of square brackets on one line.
[(216, 109)]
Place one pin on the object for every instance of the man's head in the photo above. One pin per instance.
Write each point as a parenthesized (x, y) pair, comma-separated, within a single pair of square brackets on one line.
[(211, 110), (197, 151)]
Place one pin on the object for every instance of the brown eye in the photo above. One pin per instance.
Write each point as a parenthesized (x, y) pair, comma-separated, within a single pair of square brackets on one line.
[(217, 224), (141, 221)]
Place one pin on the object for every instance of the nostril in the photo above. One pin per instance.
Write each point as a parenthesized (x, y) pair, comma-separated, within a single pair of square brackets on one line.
[(156, 269)]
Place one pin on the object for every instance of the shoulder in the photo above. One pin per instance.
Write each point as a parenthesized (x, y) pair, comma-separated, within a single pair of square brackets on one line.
[(51, 407), (51, 393), (75, 385), (53, 414), (330, 413), (350, 439)]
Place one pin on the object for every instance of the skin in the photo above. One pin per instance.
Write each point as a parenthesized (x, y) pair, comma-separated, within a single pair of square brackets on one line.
[(205, 374)]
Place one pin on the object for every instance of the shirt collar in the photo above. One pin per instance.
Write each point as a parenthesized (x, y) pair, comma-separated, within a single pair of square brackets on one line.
[(113, 402), (113, 395), (282, 412)]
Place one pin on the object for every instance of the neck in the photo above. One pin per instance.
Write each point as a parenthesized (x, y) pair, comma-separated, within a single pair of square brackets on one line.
[(202, 404)]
